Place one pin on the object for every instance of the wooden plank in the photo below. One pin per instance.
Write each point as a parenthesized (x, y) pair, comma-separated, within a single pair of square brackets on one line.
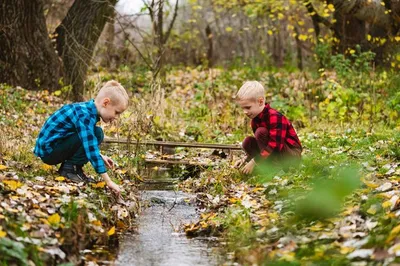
[(186, 162), (175, 144)]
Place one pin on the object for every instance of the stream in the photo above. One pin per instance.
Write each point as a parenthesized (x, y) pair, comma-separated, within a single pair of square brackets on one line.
[(159, 239)]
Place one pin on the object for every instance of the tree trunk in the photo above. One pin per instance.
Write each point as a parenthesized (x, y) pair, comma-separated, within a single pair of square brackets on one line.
[(365, 10), (77, 36), (110, 53), (27, 57), (210, 46), (350, 30), (353, 16)]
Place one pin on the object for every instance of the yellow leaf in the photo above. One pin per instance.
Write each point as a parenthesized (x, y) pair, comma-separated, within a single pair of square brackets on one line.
[(303, 37), (274, 215), (57, 93), (387, 204), (54, 219), (317, 227), (348, 211), (371, 185), (395, 231), (139, 177), (228, 29), (345, 250), (397, 38), (233, 200), (44, 221), (2, 234), (96, 223), (99, 184), (46, 167), (369, 37), (60, 178), (12, 184), (372, 210), (352, 51), (270, 32), (2, 167), (331, 7), (111, 231)]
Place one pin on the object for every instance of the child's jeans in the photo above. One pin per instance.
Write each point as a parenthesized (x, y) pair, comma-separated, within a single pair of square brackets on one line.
[(71, 150), (254, 145)]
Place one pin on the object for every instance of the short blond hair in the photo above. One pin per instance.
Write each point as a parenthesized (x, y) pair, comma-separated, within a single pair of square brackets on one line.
[(251, 90), (113, 90)]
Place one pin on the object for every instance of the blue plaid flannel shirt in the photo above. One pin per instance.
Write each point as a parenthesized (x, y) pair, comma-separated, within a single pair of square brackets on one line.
[(73, 118)]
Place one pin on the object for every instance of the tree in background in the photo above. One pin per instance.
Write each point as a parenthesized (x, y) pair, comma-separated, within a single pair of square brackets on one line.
[(27, 56), (276, 32), (77, 36), (154, 41)]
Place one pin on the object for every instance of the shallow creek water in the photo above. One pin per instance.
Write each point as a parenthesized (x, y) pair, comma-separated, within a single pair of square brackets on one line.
[(159, 239)]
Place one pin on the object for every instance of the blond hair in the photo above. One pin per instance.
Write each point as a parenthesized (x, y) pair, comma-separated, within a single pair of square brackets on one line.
[(251, 90), (113, 90)]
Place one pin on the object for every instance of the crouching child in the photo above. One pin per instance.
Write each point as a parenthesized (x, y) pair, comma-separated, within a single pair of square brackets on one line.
[(71, 138), (274, 136)]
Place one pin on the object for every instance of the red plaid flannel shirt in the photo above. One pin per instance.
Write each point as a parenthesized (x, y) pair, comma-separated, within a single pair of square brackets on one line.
[(280, 131)]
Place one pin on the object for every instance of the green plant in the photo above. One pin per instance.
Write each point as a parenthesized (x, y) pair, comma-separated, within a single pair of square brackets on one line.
[(12, 251)]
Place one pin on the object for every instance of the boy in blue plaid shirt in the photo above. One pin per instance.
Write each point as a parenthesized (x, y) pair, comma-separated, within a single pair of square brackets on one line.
[(70, 135)]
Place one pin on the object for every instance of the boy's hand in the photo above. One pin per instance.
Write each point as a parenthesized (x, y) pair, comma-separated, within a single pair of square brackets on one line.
[(248, 168), (115, 188), (239, 163), (108, 161)]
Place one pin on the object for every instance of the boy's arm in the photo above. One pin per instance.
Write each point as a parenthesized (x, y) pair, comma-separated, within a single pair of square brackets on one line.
[(90, 145)]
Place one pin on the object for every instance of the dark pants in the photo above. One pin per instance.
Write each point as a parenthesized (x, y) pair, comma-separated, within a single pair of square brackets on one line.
[(254, 145), (71, 150)]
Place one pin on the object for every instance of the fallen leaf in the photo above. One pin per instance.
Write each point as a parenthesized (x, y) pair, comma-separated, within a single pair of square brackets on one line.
[(372, 210), (59, 178), (395, 249), (2, 233), (99, 184), (395, 231), (111, 231), (2, 167), (12, 184), (361, 253), (54, 219), (46, 167)]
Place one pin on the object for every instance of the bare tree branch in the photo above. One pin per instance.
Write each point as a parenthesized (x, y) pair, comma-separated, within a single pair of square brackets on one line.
[(134, 46), (172, 22)]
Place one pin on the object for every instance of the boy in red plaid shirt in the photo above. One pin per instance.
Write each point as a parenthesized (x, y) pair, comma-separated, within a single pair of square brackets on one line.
[(274, 136)]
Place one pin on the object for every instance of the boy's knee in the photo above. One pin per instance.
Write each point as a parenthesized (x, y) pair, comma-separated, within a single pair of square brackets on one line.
[(247, 141), (261, 132), (98, 132)]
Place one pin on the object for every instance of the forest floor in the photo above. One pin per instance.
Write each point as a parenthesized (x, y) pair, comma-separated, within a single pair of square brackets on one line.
[(340, 206)]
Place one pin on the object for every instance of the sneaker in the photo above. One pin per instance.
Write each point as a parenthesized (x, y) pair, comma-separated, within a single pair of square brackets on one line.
[(69, 171), (74, 173), (79, 171)]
